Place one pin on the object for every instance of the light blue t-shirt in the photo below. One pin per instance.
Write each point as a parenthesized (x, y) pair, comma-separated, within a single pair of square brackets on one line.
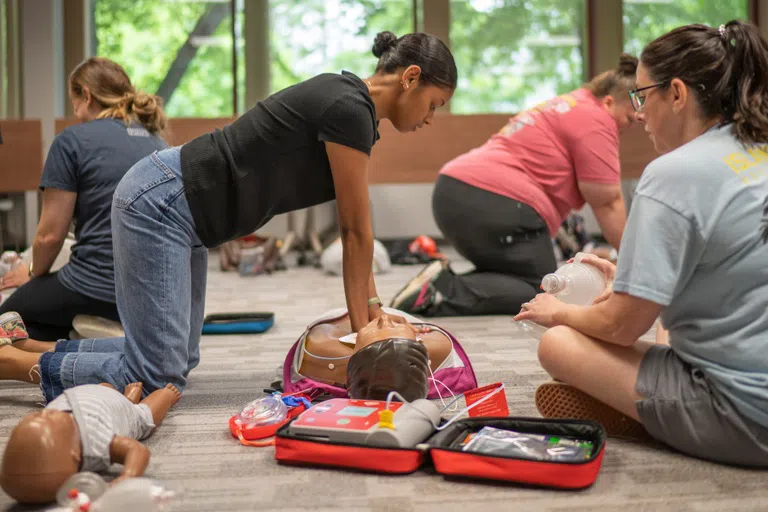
[(91, 159), (101, 413), (693, 245)]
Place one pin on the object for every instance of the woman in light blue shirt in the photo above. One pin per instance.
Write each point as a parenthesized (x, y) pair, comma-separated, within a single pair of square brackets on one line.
[(692, 253)]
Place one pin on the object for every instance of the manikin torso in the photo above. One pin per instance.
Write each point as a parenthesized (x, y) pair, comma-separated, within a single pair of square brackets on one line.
[(323, 340)]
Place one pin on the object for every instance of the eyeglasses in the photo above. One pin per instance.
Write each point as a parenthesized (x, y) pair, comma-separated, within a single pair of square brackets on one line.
[(637, 100)]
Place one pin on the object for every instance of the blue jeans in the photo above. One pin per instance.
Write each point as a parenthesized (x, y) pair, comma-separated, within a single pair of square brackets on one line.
[(160, 274)]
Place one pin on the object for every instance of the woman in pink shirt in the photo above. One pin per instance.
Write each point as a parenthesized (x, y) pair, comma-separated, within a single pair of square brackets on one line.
[(499, 204)]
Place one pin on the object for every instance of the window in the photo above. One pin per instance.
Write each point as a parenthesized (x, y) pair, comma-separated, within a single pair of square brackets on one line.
[(513, 55), (181, 50), (3, 60), (314, 36), (645, 20)]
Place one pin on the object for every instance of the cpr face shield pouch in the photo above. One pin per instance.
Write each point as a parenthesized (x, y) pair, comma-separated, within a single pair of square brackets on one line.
[(395, 364)]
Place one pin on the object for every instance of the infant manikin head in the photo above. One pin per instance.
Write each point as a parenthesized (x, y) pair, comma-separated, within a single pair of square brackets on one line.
[(43, 451), (388, 358)]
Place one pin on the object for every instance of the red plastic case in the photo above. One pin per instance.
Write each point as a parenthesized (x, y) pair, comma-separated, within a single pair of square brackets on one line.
[(444, 450)]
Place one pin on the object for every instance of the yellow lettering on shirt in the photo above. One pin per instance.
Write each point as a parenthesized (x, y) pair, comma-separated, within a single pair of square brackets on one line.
[(758, 154), (738, 162), (560, 104)]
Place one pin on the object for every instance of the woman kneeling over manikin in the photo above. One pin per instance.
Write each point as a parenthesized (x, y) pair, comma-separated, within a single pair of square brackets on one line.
[(395, 352)]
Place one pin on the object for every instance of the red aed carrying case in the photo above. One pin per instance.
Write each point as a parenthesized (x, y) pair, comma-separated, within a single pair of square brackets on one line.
[(443, 449)]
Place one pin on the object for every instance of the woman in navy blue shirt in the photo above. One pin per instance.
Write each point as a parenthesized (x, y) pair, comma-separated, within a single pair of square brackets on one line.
[(85, 163)]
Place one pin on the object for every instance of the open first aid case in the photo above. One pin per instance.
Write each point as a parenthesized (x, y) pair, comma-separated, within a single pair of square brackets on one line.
[(338, 443)]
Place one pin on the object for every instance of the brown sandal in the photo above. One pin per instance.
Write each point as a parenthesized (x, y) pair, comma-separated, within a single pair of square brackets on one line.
[(560, 400)]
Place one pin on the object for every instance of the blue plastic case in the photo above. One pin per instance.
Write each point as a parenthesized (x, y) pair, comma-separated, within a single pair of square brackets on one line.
[(238, 323)]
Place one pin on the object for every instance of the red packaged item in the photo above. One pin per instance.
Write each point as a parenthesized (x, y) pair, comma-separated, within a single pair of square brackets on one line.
[(495, 405)]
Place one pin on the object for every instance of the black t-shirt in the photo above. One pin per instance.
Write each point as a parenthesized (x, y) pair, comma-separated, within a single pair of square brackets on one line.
[(272, 159)]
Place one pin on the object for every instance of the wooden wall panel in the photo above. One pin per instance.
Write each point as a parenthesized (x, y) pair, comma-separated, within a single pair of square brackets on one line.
[(64, 122), (21, 155), (635, 151), (179, 130), (183, 129), (417, 157)]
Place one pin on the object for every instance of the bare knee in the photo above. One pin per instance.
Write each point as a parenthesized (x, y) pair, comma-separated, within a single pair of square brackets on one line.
[(556, 350)]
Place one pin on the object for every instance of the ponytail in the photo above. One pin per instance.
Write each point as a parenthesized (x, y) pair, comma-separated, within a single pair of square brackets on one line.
[(726, 69), (743, 91), (111, 89)]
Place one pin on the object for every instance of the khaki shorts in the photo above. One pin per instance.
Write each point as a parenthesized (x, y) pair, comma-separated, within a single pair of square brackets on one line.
[(684, 410)]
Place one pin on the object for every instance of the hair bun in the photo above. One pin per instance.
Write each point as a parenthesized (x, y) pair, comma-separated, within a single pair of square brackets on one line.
[(384, 42), (143, 101), (627, 64)]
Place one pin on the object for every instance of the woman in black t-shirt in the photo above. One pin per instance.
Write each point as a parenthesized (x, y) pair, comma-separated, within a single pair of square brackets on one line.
[(302, 146)]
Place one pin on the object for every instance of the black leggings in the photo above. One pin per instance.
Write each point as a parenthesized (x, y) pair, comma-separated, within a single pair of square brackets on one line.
[(48, 307), (506, 240)]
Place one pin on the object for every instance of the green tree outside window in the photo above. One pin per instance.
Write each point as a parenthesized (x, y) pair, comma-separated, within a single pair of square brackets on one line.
[(314, 36), (513, 54), (145, 36), (646, 20)]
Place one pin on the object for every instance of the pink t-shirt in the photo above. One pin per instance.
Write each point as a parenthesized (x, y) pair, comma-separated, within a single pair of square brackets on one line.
[(539, 157)]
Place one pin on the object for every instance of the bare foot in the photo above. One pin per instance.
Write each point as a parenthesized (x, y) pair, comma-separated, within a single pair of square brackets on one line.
[(160, 401), (133, 392), (173, 389), (30, 345), (19, 365)]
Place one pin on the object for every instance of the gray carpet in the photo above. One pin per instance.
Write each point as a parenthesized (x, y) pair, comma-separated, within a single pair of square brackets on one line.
[(193, 452)]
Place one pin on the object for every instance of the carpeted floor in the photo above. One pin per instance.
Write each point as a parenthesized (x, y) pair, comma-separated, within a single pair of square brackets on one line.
[(193, 452)]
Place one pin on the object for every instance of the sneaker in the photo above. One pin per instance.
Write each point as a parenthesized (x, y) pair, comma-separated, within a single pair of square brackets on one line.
[(560, 400), (88, 326), (12, 327), (420, 294)]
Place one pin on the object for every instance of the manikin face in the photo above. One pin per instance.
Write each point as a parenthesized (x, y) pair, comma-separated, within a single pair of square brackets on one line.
[(384, 328)]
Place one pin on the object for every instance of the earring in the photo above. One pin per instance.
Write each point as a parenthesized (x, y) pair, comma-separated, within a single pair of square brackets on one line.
[(406, 84)]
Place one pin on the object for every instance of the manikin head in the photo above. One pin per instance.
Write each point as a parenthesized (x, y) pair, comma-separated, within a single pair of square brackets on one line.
[(387, 358), (43, 451)]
